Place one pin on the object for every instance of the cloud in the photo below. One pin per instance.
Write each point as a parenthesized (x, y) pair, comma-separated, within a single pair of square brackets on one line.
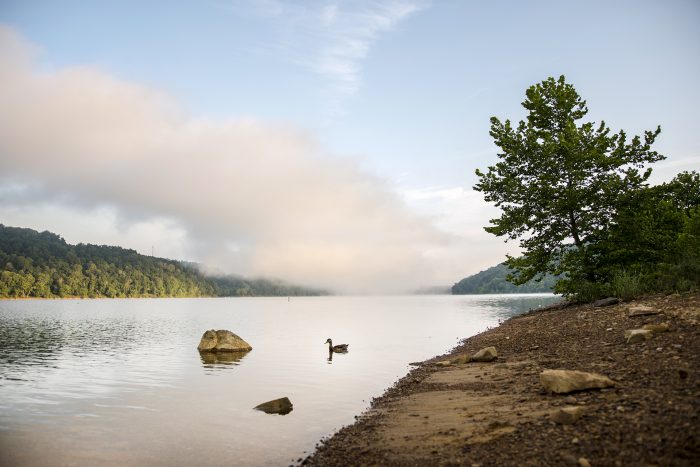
[(333, 38), (247, 196), (463, 213)]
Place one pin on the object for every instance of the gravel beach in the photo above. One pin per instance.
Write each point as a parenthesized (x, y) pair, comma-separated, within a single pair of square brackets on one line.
[(453, 411)]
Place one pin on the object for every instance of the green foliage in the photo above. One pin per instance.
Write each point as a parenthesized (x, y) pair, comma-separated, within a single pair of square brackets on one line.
[(656, 236), (563, 187), (495, 280), (625, 285), (34, 264)]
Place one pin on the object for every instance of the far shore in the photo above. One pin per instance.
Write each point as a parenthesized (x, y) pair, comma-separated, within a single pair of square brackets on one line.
[(261, 296), (447, 412)]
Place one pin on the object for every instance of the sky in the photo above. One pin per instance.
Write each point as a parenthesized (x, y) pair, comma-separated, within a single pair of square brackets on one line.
[(327, 143)]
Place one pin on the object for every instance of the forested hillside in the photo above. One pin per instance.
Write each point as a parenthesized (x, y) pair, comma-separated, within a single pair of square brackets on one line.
[(42, 264), (493, 280)]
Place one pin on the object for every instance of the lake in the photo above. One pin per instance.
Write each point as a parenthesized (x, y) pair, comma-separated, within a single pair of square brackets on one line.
[(121, 383)]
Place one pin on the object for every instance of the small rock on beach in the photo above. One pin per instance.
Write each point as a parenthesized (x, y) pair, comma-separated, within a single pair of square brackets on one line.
[(642, 310), (566, 381), (487, 354), (632, 336), (568, 415), (656, 328), (606, 302)]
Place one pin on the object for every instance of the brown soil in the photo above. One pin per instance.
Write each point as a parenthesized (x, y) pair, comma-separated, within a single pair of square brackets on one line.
[(498, 413)]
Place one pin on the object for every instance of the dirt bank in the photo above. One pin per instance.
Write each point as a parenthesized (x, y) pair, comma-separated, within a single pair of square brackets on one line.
[(498, 413)]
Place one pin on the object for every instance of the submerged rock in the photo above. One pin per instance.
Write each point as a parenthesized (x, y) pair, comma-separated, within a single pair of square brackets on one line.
[(566, 381), (278, 406), (222, 341), (632, 336), (487, 354)]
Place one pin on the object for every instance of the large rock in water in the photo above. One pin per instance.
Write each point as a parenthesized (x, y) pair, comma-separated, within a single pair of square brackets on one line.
[(565, 381), (222, 341), (278, 406)]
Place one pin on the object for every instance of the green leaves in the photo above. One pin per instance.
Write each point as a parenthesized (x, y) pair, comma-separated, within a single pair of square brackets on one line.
[(559, 181)]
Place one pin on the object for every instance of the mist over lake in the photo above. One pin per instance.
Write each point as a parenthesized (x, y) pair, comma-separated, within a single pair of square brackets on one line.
[(120, 382)]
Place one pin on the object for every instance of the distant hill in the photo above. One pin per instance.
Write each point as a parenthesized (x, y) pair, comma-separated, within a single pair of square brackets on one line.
[(34, 264), (493, 280)]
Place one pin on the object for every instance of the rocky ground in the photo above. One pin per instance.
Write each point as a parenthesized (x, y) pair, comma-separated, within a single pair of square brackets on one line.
[(451, 412)]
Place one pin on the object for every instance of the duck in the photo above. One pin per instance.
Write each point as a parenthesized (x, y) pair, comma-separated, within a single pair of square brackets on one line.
[(336, 348)]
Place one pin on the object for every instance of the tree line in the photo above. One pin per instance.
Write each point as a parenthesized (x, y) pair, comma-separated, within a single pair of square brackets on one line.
[(493, 280), (43, 265), (577, 198)]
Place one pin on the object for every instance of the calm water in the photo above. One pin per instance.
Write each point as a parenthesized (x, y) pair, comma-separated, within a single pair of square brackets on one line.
[(120, 382)]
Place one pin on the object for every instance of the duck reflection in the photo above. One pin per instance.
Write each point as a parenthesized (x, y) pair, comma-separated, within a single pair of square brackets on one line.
[(330, 355), (221, 359)]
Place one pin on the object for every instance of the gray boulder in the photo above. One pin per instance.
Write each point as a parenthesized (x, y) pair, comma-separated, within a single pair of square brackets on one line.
[(278, 406), (566, 381), (606, 302), (222, 341)]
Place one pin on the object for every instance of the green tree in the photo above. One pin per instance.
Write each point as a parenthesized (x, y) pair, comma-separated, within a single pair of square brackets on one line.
[(558, 183), (655, 236)]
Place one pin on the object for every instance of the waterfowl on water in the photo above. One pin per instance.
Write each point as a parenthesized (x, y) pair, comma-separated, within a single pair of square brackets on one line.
[(336, 348)]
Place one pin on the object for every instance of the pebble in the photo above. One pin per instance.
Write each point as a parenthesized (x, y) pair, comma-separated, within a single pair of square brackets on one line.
[(632, 336), (568, 415), (583, 462)]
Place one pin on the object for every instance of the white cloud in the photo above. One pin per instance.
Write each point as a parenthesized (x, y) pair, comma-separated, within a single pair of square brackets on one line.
[(462, 213), (333, 38), (241, 195)]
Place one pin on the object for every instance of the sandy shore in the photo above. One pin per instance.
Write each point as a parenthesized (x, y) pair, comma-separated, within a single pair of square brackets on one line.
[(499, 413)]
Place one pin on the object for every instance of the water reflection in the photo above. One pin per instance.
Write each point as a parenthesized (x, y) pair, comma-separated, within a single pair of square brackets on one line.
[(508, 306), (331, 352), (224, 359), (81, 380)]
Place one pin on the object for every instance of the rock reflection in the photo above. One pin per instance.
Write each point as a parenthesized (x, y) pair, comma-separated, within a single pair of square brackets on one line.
[(221, 359)]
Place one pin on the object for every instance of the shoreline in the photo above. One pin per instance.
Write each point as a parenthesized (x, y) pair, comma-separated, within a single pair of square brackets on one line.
[(498, 413)]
